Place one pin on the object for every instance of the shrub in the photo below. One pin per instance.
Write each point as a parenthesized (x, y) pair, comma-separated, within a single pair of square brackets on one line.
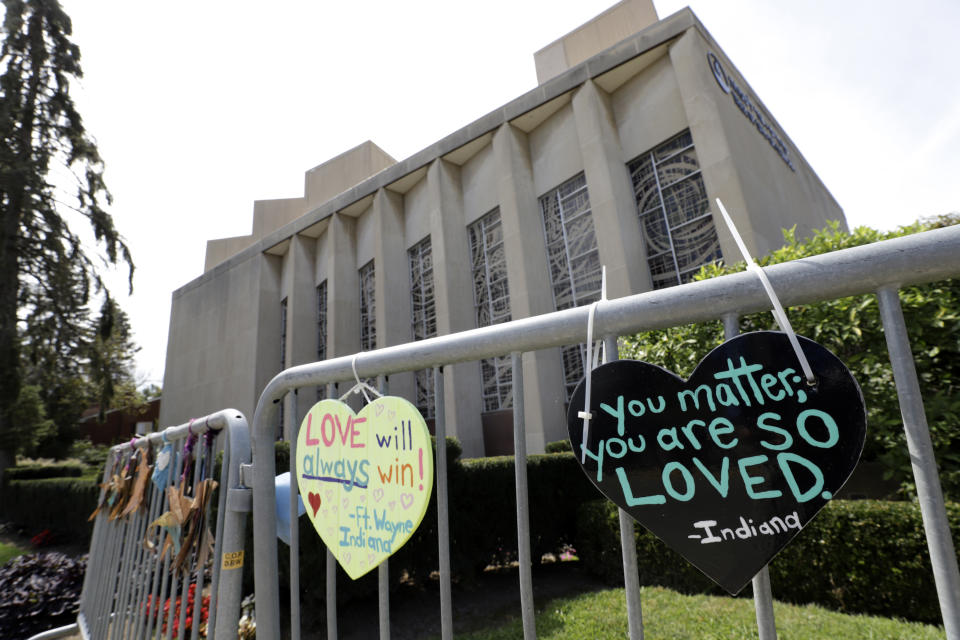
[(483, 526), (93, 455), (39, 591), (856, 556), (484, 512), (59, 504), (40, 471), (558, 446), (851, 328)]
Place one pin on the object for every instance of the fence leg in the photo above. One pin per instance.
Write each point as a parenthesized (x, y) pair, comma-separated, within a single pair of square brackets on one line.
[(443, 514), (523, 506), (234, 522), (331, 590), (331, 596), (383, 571), (929, 493), (628, 547), (762, 593), (294, 516), (763, 605)]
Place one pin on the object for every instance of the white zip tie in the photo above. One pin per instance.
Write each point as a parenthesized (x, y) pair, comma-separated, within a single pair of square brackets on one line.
[(360, 386), (588, 365), (778, 312)]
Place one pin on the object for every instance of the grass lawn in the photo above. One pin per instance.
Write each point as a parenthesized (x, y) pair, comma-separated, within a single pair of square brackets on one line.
[(8, 552), (666, 614)]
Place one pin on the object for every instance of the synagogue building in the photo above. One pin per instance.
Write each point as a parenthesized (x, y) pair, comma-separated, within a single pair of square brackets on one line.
[(614, 159)]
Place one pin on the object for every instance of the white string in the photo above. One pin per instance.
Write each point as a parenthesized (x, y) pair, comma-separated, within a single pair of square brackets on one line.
[(778, 312), (360, 386), (591, 357)]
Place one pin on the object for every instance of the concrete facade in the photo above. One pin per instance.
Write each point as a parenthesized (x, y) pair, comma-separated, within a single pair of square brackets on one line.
[(591, 116)]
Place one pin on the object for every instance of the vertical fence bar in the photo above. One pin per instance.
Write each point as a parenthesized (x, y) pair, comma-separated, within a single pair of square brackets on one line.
[(292, 435), (523, 502), (138, 591), (187, 580), (383, 571), (199, 569), (331, 568), (443, 514), (164, 563), (103, 597), (92, 589), (123, 551), (228, 580), (169, 575), (331, 596), (148, 563), (98, 524), (108, 589), (929, 493), (224, 444), (762, 593), (168, 584), (763, 605), (628, 546), (128, 568), (138, 600), (115, 545), (383, 598)]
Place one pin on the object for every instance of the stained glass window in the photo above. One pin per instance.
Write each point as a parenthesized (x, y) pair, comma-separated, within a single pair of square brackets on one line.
[(674, 211), (491, 303), (321, 331), (368, 310), (424, 317), (574, 259)]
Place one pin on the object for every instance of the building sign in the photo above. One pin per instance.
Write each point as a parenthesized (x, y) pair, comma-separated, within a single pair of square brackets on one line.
[(728, 466), (750, 110)]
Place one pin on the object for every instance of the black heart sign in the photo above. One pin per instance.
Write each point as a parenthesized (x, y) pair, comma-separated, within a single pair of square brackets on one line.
[(728, 466)]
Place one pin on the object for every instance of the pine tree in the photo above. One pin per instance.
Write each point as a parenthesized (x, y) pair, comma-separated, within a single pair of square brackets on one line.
[(43, 263), (111, 355)]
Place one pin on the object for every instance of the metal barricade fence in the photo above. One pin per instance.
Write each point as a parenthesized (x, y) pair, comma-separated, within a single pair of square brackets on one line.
[(131, 588), (881, 268)]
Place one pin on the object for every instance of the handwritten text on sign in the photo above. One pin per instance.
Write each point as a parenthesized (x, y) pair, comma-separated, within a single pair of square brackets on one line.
[(728, 466), (365, 478)]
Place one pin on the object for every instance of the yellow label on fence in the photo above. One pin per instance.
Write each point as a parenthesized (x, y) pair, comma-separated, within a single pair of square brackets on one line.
[(233, 560)]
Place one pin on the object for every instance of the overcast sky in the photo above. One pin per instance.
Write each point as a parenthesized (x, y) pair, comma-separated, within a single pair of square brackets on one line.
[(200, 108)]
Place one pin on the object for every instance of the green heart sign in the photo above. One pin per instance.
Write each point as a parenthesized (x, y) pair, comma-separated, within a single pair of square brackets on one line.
[(365, 478)]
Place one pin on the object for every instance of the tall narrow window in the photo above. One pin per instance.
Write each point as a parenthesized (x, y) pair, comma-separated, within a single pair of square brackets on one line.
[(575, 270), (368, 310), (491, 301), (321, 331), (423, 317), (283, 334), (674, 211), (283, 358)]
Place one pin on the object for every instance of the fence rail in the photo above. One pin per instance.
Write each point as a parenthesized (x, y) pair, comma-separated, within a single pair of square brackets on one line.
[(882, 268)]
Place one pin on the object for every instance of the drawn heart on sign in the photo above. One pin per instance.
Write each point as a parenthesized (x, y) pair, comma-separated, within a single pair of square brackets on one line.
[(728, 466), (383, 450), (314, 499)]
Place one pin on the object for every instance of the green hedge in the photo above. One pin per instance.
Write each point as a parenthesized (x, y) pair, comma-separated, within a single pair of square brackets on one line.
[(39, 471), (483, 529), (558, 446), (61, 505), (856, 556)]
